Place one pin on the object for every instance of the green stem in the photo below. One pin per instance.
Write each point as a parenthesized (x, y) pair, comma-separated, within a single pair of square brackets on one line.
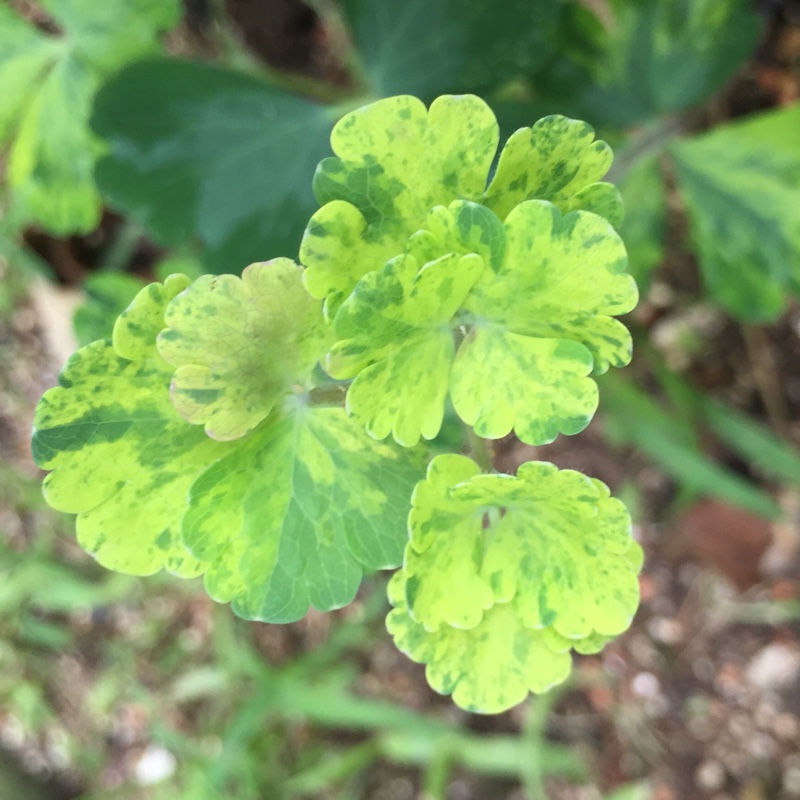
[(122, 248), (437, 774), (535, 739), (403, 736), (651, 141)]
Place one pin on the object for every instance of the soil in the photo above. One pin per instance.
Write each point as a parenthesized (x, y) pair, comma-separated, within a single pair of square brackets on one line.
[(702, 695)]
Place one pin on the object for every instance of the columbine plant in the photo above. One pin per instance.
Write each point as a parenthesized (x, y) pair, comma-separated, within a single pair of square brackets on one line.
[(239, 428)]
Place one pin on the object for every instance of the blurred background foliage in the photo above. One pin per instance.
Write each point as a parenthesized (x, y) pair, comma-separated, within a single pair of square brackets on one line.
[(144, 137)]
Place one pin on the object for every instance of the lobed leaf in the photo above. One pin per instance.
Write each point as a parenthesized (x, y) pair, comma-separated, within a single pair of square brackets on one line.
[(394, 161), (551, 543), (542, 322), (293, 515), (557, 160), (239, 344), (395, 338), (487, 668), (122, 458), (539, 322)]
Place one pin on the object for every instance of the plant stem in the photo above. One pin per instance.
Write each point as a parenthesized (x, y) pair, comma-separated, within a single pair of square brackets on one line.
[(122, 248), (653, 139), (535, 739)]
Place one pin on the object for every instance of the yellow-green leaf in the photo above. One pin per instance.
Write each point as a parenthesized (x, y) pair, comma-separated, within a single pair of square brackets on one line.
[(240, 344), (122, 458)]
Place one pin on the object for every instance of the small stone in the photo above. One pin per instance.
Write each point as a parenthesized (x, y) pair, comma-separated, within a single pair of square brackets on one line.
[(666, 630), (656, 706), (642, 650), (710, 775), (763, 747), (791, 781), (765, 715), (703, 668), (786, 727), (774, 667), (645, 685), (154, 765), (741, 726)]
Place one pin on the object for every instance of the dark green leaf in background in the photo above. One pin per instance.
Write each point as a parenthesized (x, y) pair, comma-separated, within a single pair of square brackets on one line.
[(45, 100), (664, 56), (741, 188), (200, 152), (643, 228), (427, 47), (109, 294)]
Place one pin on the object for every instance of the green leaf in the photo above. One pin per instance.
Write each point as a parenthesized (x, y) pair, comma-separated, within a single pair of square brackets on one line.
[(425, 47), (395, 161), (112, 34), (239, 344), (24, 56), (741, 186), (632, 791), (540, 319), (396, 340), (201, 152), (542, 322), (47, 108), (295, 513), (550, 543), (538, 387), (557, 160), (632, 418), (52, 157), (109, 294), (667, 55), (122, 458), (644, 227), (771, 454), (488, 668)]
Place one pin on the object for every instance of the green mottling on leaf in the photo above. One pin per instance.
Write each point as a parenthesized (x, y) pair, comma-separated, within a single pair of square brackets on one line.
[(542, 319), (487, 668), (48, 84), (122, 458), (551, 286), (558, 552), (555, 160), (537, 387), (296, 511), (395, 161), (741, 187), (239, 344), (395, 338)]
